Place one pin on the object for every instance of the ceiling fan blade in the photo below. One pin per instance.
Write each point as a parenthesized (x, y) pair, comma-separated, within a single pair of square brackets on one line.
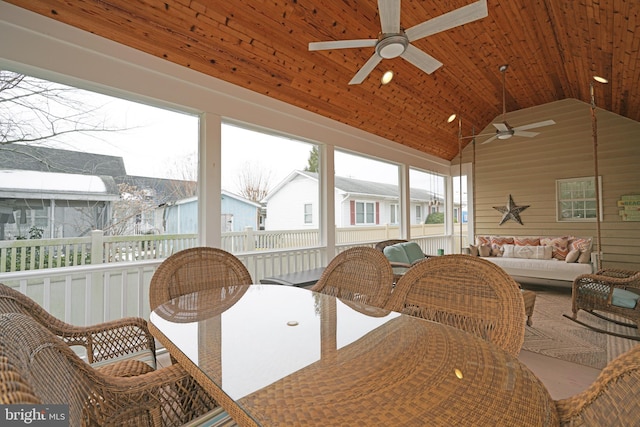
[(534, 125), (342, 44), (366, 69), (424, 61), (389, 15), (449, 20), (517, 132), (502, 127), (490, 139)]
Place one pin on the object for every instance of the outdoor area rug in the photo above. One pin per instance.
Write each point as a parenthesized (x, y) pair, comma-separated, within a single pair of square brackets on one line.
[(554, 335)]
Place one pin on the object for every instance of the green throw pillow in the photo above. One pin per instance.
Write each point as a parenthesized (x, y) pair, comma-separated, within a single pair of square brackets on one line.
[(413, 251), (396, 253)]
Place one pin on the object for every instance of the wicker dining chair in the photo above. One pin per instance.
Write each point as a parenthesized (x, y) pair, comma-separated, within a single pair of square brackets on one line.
[(361, 274), (122, 346), (36, 367), (466, 292), (608, 292), (612, 400), (196, 269)]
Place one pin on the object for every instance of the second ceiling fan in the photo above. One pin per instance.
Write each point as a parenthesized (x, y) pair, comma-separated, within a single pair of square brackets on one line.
[(504, 130)]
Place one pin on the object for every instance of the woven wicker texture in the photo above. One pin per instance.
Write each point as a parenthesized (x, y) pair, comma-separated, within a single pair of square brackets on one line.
[(113, 340), (612, 400), (360, 274), (466, 292), (195, 269), (404, 375), (35, 365), (401, 373), (594, 292)]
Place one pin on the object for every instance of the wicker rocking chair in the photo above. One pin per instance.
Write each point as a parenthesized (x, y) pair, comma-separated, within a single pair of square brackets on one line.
[(609, 292)]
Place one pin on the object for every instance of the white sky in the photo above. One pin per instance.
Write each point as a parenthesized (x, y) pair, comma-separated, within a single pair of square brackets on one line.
[(161, 143)]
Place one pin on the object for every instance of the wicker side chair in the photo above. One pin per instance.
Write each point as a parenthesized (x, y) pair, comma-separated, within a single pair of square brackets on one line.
[(465, 292), (612, 400), (196, 269), (37, 367), (359, 274), (121, 347), (608, 291)]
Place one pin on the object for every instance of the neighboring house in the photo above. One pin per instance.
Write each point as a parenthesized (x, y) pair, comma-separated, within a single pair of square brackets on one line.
[(69, 193), (60, 204), (238, 213), (293, 204)]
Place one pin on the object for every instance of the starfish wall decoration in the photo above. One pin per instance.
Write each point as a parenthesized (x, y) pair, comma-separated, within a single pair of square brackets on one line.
[(511, 211)]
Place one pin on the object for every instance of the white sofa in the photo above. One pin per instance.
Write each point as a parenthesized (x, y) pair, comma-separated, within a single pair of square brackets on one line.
[(542, 260)]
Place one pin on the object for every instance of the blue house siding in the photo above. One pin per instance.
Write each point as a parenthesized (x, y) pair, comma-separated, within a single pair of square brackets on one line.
[(183, 216)]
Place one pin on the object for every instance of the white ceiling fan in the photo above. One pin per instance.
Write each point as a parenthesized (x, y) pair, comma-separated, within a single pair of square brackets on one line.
[(394, 41), (504, 130)]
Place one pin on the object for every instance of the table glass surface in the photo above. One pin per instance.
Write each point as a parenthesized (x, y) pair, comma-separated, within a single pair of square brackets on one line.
[(290, 356)]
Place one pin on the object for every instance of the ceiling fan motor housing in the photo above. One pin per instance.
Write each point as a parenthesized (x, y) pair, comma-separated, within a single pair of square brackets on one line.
[(392, 45)]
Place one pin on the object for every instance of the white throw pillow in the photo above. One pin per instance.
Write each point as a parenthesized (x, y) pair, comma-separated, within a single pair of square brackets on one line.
[(527, 252)]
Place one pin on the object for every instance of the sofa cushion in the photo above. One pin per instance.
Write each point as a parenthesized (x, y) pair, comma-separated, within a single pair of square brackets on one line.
[(497, 242), (625, 299), (526, 241), (559, 245), (396, 253), (584, 246), (413, 251), (573, 255), (528, 252), (473, 250), (484, 250)]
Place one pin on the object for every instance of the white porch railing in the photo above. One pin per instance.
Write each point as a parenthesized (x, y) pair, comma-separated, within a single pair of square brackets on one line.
[(90, 294), (33, 254)]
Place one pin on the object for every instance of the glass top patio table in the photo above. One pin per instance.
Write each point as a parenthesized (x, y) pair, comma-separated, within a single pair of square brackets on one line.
[(276, 355)]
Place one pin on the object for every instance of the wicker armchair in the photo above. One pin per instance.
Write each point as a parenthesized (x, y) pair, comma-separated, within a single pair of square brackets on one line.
[(36, 367), (359, 274), (116, 346), (612, 400), (607, 291), (193, 270), (466, 292)]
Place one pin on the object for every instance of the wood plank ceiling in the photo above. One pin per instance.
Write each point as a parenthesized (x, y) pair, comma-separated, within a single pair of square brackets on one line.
[(552, 48)]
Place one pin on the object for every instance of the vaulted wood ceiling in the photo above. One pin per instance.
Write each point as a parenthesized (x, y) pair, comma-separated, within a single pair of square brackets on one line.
[(552, 47)]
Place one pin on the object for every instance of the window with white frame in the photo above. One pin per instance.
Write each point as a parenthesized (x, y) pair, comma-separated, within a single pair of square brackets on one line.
[(576, 199), (418, 214), (365, 213), (308, 213), (393, 214)]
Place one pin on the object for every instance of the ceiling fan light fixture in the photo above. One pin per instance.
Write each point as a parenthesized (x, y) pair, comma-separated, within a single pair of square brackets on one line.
[(386, 77), (392, 46), (505, 135), (600, 79)]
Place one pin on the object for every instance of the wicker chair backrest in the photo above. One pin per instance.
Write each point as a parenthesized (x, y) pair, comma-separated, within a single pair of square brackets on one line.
[(612, 400), (361, 274), (193, 270), (466, 292)]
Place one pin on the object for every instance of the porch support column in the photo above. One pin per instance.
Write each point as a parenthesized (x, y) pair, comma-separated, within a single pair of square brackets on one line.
[(210, 180)]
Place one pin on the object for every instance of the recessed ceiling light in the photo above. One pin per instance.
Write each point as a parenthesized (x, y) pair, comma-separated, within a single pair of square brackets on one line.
[(451, 118), (600, 79), (386, 77)]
